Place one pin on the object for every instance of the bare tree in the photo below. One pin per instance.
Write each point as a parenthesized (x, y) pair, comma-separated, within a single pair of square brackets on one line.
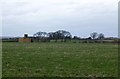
[(63, 35), (53, 35), (101, 36), (94, 35), (40, 35)]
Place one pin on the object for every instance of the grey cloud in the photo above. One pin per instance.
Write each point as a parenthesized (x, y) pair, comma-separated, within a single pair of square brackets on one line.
[(77, 16)]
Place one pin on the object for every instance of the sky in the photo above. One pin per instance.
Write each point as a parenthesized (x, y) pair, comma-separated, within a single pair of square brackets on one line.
[(80, 17)]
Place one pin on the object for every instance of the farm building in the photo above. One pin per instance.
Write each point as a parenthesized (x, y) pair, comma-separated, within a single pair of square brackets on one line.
[(25, 39)]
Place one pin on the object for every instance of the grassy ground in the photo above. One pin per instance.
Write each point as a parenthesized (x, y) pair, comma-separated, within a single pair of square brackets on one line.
[(0, 59), (59, 59)]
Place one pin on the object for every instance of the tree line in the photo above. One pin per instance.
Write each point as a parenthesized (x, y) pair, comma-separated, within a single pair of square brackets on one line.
[(58, 35), (63, 36)]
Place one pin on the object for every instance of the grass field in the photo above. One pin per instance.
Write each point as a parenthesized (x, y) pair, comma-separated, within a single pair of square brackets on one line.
[(59, 59), (0, 59)]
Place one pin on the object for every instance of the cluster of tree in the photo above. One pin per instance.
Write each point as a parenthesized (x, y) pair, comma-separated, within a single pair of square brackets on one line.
[(64, 36), (60, 34), (95, 35)]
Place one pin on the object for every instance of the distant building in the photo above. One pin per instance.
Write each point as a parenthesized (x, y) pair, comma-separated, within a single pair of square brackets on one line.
[(25, 39)]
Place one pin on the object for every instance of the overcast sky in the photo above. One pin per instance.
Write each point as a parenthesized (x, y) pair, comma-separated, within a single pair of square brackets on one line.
[(80, 17)]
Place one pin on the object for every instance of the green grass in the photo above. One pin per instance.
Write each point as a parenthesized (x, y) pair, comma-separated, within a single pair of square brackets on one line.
[(59, 59), (0, 59)]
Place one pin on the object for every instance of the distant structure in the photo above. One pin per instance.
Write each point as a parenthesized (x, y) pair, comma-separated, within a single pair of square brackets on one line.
[(25, 39)]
